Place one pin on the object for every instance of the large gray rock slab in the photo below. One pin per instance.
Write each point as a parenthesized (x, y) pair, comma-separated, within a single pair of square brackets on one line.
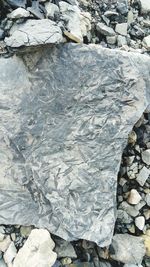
[(34, 33), (65, 114)]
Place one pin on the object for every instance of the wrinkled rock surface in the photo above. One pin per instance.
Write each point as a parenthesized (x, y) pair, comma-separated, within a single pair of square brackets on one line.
[(65, 114)]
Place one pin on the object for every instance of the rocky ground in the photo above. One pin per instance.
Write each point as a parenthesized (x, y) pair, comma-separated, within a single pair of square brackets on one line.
[(117, 25)]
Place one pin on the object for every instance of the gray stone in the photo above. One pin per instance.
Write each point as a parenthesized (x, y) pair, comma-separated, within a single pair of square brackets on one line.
[(2, 34), (19, 13), (146, 42), (147, 199), (122, 6), (143, 176), (146, 156), (105, 30), (2, 263), (145, 6), (121, 40), (127, 248), (131, 210), (121, 28), (76, 22), (37, 250), (65, 114), (34, 33), (111, 39), (64, 249)]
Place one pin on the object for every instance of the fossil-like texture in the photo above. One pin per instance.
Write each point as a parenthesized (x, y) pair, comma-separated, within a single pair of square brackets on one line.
[(65, 113)]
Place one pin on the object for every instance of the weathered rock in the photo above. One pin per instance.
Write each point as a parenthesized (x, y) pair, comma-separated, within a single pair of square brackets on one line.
[(146, 42), (64, 249), (65, 115), (140, 222), (121, 40), (34, 33), (25, 231), (121, 28), (111, 39), (147, 199), (51, 9), (76, 22), (143, 176), (19, 13), (145, 6), (127, 248), (4, 244), (146, 238), (37, 250), (134, 197), (146, 156), (10, 254), (105, 30)]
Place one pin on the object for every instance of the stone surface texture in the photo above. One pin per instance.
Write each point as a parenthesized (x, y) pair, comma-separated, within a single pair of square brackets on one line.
[(127, 248), (33, 33), (65, 114), (37, 250)]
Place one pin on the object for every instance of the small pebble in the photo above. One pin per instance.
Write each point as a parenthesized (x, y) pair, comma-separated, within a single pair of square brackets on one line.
[(140, 222)]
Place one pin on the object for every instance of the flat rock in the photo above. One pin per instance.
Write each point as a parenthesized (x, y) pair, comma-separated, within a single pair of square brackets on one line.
[(143, 176), (146, 156), (65, 119), (127, 248), (37, 250), (34, 33), (105, 30), (121, 28), (10, 254)]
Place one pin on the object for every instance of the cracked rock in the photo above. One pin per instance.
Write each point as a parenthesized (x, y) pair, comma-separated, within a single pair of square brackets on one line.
[(34, 33), (127, 248)]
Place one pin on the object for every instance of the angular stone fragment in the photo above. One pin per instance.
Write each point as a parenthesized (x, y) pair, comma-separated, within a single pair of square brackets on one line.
[(127, 248), (134, 197), (65, 114), (143, 176), (37, 250), (19, 13), (34, 33), (146, 156), (105, 30), (145, 6)]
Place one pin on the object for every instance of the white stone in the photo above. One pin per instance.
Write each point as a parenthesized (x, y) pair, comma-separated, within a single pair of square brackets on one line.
[(145, 6), (5, 243), (140, 222), (10, 254), (105, 30), (19, 13), (51, 9), (111, 39), (146, 42), (121, 28), (37, 250), (146, 156), (143, 176), (134, 197)]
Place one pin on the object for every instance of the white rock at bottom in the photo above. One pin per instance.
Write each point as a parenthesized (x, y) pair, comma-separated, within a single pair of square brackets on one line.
[(37, 250)]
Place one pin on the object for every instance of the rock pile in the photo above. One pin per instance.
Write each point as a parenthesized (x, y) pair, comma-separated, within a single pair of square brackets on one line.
[(115, 24)]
